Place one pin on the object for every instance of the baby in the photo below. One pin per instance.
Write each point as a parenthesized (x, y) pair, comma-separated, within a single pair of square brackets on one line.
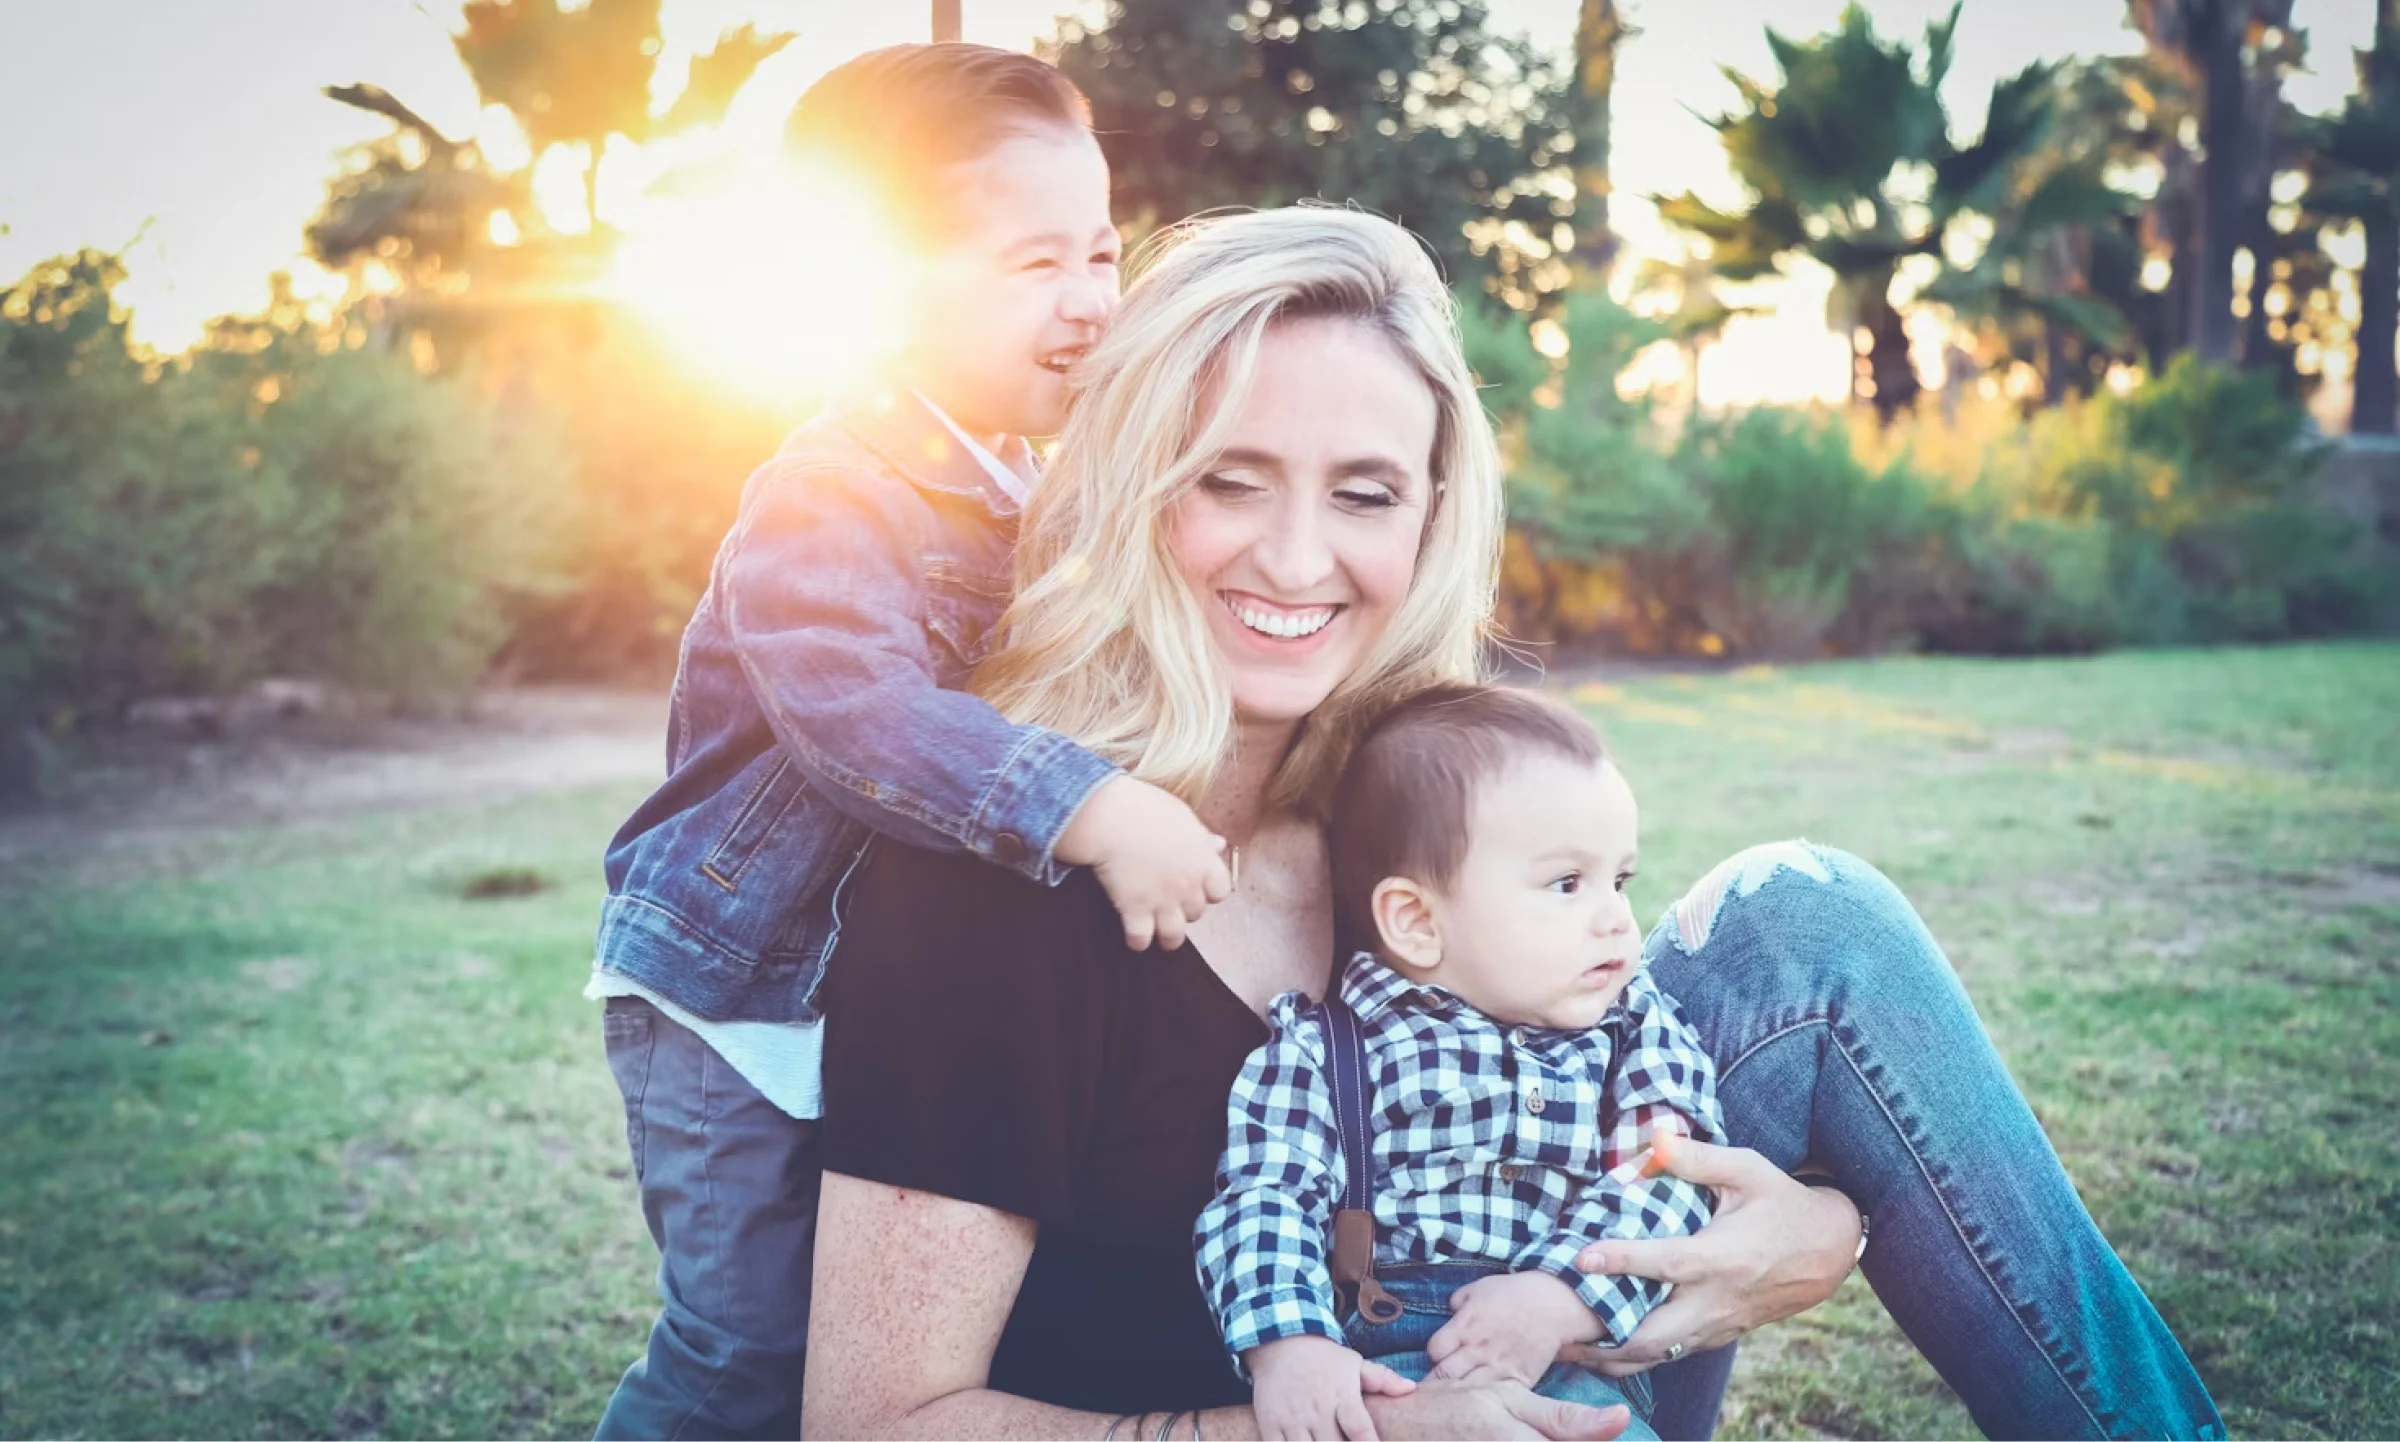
[(1507, 1061)]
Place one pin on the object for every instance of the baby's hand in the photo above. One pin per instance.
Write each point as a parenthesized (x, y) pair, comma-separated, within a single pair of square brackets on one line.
[(1509, 1328), (1315, 1387), (1159, 865)]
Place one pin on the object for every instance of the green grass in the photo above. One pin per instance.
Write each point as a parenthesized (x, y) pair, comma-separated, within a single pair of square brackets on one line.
[(308, 1131)]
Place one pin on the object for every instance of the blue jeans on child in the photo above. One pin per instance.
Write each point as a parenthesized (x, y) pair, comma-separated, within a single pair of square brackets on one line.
[(729, 1187), (1423, 1292)]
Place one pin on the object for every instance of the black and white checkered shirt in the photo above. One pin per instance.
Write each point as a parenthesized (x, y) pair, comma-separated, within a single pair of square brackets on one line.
[(1492, 1143)]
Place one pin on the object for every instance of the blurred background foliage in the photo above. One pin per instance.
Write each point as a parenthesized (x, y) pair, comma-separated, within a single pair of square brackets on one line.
[(2136, 271)]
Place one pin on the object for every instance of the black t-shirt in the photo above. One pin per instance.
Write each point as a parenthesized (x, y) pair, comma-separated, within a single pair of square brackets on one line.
[(994, 1040)]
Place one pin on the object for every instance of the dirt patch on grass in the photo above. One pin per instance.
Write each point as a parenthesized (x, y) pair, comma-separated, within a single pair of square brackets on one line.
[(505, 744), (2377, 886), (280, 973)]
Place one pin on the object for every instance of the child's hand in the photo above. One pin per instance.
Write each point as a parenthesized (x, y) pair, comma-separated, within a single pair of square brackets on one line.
[(1317, 1388), (1159, 865), (1509, 1328)]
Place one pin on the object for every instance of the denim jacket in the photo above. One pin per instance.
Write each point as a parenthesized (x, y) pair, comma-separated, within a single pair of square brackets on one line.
[(816, 704)]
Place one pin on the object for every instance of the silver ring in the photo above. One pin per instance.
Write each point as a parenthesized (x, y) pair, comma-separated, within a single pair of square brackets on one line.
[(1674, 1350)]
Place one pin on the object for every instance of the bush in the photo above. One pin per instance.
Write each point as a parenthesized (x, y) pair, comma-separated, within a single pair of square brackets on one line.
[(2189, 510), (2038, 569), (2246, 524), (1760, 533), (1588, 483), (1810, 548), (273, 503)]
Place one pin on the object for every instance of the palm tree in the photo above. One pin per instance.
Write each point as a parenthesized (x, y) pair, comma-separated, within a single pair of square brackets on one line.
[(1850, 161), (1599, 29), (2356, 154), (2239, 103), (2058, 276), (1694, 312)]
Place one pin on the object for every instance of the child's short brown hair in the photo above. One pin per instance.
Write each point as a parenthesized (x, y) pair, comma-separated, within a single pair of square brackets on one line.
[(1407, 797), (895, 118)]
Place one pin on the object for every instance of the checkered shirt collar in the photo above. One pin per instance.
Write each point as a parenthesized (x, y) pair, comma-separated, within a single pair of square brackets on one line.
[(1374, 990)]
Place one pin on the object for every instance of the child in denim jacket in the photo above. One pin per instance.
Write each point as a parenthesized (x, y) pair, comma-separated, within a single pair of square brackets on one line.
[(817, 704)]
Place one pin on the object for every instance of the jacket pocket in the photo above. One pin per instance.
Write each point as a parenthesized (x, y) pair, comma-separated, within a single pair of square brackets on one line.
[(760, 813), (961, 608)]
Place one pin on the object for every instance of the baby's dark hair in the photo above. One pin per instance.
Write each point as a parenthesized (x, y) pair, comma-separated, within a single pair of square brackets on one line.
[(1407, 796), (896, 118)]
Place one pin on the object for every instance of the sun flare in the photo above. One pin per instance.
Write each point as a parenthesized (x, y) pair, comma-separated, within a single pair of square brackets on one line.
[(771, 276)]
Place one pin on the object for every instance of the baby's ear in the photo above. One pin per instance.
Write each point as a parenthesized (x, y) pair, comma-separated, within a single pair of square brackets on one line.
[(1405, 923)]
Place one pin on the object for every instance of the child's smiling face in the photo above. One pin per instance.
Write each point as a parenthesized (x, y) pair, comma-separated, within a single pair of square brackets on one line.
[(1535, 929), (1017, 288)]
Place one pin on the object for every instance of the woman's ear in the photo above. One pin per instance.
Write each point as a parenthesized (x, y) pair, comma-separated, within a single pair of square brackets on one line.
[(1404, 920)]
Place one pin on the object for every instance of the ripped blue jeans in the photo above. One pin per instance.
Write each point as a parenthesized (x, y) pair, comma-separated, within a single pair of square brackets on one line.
[(1845, 1045)]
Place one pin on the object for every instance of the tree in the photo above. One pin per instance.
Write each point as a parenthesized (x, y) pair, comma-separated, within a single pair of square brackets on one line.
[(1415, 109), (1850, 161), (2356, 155), (577, 77), (570, 77), (1690, 307), (2239, 97), (434, 212), (2057, 283), (1599, 30), (417, 200)]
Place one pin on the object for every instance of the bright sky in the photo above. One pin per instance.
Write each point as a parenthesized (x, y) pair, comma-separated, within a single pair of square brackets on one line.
[(193, 136)]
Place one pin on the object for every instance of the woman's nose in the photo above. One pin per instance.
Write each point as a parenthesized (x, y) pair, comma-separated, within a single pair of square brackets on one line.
[(1292, 556)]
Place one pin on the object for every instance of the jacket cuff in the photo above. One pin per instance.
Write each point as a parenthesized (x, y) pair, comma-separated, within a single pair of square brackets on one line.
[(1034, 794)]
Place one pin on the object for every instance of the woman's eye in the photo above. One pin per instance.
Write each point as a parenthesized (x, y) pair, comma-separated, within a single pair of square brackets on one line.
[(1107, 260), (1367, 499), (1568, 884), (1216, 483), (1032, 266)]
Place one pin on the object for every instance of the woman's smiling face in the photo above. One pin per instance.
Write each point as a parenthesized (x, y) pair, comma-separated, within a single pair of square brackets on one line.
[(1300, 538)]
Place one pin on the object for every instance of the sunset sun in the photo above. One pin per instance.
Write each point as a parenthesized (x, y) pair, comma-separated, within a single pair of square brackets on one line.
[(773, 277)]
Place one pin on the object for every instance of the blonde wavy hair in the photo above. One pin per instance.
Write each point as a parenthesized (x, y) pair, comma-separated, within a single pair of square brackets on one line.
[(1105, 643)]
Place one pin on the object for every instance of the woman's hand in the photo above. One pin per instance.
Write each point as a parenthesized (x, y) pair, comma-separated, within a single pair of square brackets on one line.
[(1490, 1409), (1776, 1248)]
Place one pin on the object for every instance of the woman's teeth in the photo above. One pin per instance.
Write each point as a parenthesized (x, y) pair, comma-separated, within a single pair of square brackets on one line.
[(1285, 625)]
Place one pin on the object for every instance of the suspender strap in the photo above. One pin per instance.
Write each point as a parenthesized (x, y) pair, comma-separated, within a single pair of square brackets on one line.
[(1353, 1260), (1348, 1077)]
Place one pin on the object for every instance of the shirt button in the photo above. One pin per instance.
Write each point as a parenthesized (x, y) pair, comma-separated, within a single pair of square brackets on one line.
[(1008, 848), (1510, 1171), (1534, 1102)]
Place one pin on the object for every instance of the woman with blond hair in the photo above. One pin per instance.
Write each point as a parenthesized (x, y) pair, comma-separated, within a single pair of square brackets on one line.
[(1275, 510)]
